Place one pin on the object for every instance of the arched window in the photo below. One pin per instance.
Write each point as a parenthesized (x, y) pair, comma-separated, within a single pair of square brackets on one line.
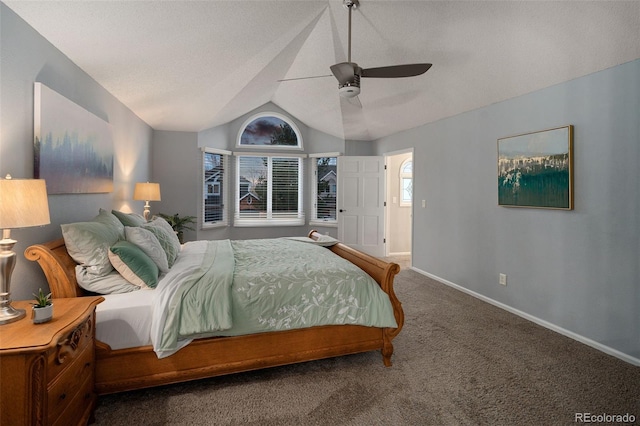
[(406, 183), (269, 130)]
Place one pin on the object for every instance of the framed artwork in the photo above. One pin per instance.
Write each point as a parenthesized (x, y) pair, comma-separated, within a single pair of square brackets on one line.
[(536, 169), (73, 149)]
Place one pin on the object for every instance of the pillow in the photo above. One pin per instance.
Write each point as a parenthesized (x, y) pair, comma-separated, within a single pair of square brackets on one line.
[(129, 219), (149, 244), (326, 240), (323, 240), (167, 237), (110, 219), (111, 283), (135, 266), (88, 244)]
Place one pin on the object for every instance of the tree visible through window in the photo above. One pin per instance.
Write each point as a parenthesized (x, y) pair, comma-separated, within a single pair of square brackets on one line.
[(270, 130)]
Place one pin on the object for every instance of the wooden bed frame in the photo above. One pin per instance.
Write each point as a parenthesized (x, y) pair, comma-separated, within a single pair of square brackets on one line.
[(136, 368)]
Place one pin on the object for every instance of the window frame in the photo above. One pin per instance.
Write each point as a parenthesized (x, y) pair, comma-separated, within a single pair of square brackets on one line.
[(270, 220), (314, 220), (282, 117), (224, 187)]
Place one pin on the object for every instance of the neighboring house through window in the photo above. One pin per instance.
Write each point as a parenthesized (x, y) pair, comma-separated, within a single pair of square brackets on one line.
[(214, 187), (325, 188), (269, 186)]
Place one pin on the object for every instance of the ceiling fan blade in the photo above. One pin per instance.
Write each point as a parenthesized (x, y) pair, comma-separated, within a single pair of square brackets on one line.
[(355, 101), (304, 78), (395, 71), (344, 71)]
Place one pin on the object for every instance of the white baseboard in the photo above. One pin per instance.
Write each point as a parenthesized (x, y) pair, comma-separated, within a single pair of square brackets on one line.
[(599, 346)]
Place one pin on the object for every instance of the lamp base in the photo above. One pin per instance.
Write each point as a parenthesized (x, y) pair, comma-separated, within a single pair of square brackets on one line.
[(10, 314)]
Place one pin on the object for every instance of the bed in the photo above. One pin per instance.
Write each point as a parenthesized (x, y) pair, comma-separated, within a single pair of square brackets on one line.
[(136, 367)]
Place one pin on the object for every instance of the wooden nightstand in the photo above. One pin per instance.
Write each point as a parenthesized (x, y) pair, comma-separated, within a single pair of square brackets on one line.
[(47, 371)]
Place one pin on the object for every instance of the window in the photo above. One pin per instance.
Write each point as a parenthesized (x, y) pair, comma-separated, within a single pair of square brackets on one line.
[(325, 188), (214, 163), (270, 130), (269, 190), (406, 183)]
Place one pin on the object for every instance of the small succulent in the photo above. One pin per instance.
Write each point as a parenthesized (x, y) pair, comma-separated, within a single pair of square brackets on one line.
[(42, 300)]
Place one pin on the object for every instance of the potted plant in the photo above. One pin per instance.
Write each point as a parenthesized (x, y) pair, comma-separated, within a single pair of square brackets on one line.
[(179, 224), (43, 308)]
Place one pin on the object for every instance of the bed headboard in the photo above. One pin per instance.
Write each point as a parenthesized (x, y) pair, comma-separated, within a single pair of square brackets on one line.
[(58, 267)]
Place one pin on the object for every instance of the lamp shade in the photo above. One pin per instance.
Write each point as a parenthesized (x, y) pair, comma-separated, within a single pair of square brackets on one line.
[(147, 191), (23, 203)]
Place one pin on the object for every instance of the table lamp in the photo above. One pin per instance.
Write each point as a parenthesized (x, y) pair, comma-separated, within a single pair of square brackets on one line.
[(23, 203), (147, 192)]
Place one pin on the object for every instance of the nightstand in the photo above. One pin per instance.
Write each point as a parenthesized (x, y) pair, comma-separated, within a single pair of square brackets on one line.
[(47, 371)]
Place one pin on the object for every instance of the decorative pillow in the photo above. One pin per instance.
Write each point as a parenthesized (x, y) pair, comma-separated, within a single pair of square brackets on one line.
[(110, 219), (88, 244), (129, 219), (148, 243), (135, 266), (167, 237), (111, 283), (326, 240)]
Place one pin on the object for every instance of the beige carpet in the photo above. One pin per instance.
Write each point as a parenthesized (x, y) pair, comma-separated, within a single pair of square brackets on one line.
[(458, 361)]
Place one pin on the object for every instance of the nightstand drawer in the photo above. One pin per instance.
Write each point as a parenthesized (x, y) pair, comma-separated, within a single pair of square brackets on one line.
[(62, 391), (78, 410), (69, 348)]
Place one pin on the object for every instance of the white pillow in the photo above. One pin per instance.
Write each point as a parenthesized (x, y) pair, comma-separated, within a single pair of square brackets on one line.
[(149, 244)]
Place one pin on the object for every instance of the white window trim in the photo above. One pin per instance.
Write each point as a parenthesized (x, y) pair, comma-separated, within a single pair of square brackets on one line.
[(314, 221), (225, 189), (270, 147), (270, 221)]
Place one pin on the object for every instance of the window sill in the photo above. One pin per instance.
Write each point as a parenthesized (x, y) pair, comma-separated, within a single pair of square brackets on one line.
[(324, 223)]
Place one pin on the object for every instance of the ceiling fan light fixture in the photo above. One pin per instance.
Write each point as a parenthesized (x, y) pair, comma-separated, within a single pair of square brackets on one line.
[(349, 91)]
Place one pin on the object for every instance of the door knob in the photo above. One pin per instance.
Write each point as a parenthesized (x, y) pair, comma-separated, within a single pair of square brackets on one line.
[(342, 210)]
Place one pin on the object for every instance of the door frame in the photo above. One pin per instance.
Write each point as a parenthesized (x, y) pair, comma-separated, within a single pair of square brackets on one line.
[(388, 197)]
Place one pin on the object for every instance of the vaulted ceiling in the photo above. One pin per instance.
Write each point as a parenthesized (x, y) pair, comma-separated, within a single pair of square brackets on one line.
[(193, 65)]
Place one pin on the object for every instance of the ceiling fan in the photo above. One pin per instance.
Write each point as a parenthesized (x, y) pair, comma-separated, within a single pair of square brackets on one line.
[(349, 73)]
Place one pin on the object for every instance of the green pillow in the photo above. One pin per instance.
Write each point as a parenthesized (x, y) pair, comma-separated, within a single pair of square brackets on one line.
[(133, 264), (88, 244), (129, 219), (109, 219), (167, 237)]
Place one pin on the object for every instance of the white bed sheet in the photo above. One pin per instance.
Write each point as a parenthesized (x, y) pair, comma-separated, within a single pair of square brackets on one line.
[(124, 320)]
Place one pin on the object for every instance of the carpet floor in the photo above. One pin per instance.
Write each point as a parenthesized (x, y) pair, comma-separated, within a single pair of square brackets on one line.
[(458, 361)]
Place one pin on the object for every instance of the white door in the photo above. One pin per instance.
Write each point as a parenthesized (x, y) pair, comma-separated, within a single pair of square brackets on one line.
[(361, 189)]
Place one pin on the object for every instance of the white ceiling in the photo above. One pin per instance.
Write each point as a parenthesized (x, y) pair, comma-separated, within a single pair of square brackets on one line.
[(192, 65)]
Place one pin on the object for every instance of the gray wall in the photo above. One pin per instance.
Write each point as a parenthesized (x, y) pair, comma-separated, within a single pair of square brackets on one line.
[(578, 270), (25, 58)]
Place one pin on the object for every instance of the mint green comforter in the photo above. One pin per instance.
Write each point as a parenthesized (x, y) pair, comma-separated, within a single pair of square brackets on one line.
[(250, 286)]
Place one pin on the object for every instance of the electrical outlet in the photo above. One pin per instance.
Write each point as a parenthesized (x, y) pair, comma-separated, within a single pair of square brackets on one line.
[(503, 279)]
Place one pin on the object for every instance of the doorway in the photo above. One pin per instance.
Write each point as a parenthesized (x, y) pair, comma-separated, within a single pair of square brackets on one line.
[(399, 217)]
